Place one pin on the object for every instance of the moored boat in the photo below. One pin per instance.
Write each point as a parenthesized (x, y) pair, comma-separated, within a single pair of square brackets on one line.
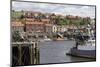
[(85, 47), (88, 50)]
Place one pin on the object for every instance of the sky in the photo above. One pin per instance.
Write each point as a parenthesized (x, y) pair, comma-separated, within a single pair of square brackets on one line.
[(76, 10)]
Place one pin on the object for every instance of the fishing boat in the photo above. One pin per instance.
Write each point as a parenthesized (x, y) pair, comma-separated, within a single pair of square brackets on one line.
[(84, 48)]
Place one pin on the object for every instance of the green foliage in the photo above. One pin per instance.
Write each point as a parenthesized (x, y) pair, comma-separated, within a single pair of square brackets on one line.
[(16, 14), (77, 22), (63, 21), (16, 36)]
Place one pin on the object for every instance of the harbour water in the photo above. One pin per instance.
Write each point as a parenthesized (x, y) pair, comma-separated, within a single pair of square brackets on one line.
[(55, 52)]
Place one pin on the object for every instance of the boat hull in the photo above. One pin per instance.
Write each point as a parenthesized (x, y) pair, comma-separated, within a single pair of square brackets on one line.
[(82, 53)]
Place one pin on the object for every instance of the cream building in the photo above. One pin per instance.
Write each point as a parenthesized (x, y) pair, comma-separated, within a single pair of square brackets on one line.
[(54, 28), (62, 28)]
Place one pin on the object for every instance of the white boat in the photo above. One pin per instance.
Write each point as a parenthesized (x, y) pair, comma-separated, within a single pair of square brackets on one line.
[(88, 48), (47, 39)]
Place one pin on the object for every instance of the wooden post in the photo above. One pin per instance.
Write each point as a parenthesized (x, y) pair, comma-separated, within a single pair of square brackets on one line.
[(20, 55), (31, 55), (37, 54), (34, 52)]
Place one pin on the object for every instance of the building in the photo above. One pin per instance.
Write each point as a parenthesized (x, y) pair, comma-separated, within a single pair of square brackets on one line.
[(54, 28), (59, 28), (46, 21), (48, 28), (35, 27), (38, 27), (62, 28), (17, 26)]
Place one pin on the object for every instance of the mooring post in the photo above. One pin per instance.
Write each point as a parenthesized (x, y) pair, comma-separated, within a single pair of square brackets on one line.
[(20, 55), (37, 53), (34, 52), (31, 55), (35, 59)]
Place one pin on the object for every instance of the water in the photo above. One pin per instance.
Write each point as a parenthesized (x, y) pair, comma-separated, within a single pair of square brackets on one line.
[(55, 52)]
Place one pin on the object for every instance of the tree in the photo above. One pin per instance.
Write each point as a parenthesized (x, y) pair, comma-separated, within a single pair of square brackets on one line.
[(16, 36)]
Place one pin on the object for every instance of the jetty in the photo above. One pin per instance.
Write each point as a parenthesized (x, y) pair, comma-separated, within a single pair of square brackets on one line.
[(25, 53)]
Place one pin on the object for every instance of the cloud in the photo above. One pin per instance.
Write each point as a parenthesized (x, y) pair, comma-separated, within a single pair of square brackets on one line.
[(55, 8)]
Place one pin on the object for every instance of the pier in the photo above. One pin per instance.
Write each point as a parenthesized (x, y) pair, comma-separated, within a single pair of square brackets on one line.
[(25, 53)]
